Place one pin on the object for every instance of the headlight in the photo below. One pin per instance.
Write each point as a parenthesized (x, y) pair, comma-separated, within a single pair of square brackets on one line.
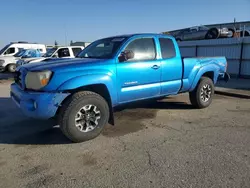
[(37, 80), (2, 62)]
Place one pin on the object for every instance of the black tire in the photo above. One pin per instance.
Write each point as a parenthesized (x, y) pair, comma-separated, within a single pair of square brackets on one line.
[(196, 97), (67, 115), (212, 33), (11, 68)]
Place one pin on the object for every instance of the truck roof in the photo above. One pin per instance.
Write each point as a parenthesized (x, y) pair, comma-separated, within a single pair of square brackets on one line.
[(142, 34)]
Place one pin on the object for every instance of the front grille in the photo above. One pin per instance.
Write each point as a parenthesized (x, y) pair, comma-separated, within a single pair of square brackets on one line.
[(19, 78)]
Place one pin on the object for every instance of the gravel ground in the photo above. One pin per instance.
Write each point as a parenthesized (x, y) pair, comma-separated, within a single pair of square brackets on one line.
[(157, 144)]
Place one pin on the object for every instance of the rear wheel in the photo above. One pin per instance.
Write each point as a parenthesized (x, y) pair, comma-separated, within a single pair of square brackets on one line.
[(201, 96), (11, 68), (83, 116)]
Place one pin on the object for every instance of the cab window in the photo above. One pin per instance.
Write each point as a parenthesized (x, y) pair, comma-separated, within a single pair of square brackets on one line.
[(143, 49), (76, 51), (167, 48), (10, 51), (63, 52)]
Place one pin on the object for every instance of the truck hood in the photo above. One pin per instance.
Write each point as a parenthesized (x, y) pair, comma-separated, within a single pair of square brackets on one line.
[(63, 64), (28, 60)]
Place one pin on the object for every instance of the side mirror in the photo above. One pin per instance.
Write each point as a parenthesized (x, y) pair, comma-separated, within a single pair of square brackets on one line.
[(126, 55)]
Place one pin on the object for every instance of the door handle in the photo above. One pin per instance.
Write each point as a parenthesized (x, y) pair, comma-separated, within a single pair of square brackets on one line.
[(155, 67)]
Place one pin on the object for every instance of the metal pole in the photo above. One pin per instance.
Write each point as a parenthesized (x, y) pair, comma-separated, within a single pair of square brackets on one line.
[(241, 58)]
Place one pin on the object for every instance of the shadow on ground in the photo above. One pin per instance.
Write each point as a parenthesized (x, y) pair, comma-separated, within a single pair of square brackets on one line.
[(15, 128), (241, 84)]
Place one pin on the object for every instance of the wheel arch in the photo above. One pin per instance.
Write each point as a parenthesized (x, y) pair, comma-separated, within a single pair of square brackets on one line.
[(98, 88), (210, 72)]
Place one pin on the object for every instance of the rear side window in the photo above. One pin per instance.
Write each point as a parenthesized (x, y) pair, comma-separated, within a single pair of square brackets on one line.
[(76, 51), (167, 48), (144, 49)]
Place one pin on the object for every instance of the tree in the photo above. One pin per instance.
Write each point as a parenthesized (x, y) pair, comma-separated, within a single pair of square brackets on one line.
[(71, 42), (56, 44)]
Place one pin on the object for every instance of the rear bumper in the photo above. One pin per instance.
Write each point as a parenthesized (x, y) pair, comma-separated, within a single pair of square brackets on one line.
[(40, 105)]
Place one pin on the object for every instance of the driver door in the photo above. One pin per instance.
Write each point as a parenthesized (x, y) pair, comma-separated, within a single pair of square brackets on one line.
[(139, 77)]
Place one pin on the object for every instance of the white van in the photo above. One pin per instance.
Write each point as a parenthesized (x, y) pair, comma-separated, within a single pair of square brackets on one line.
[(14, 47)]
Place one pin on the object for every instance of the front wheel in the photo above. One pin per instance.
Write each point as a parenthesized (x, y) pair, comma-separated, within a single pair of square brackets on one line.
[(83, 116), (201, 96), (11, 68)]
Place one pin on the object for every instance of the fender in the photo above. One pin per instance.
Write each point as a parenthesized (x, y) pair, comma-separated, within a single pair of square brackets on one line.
[(204, 69), (91, 79)]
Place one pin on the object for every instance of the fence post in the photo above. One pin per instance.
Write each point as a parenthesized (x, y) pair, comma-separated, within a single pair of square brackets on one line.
[(241, 58), (196, 50)]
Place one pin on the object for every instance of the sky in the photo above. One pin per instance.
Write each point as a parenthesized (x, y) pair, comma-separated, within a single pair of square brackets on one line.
[(44, 21)]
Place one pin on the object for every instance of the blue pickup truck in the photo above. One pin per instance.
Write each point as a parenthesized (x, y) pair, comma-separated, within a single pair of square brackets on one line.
[(82, 92)]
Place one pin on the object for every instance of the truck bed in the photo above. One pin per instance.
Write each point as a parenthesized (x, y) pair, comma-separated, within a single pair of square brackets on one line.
[(194, 67)]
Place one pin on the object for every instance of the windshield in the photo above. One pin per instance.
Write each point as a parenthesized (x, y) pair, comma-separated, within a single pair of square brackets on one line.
[(3, 49), (20, 53), (50, 52), (203, 28), (102, 49)]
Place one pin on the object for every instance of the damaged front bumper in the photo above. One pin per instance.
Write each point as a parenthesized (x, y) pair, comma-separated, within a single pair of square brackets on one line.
[(40, 105)]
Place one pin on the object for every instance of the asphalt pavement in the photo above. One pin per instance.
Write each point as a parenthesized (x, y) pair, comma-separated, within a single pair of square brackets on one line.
[(157, 144)]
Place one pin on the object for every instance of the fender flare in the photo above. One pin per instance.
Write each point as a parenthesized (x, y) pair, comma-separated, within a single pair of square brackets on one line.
[(86, 80), (208, 68)]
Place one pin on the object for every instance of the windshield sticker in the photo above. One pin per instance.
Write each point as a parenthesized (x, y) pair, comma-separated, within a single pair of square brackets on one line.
[(118, 39)]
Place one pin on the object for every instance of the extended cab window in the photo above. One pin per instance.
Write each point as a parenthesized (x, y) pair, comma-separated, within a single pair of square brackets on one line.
[(76, 51), (167, 48), (10, 51), (143, 49), (63, 52)]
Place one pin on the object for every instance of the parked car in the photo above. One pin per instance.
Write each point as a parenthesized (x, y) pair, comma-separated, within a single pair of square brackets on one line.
[(57, 52), (14, 47), (202, 32), (9, 62), (82, 92)]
